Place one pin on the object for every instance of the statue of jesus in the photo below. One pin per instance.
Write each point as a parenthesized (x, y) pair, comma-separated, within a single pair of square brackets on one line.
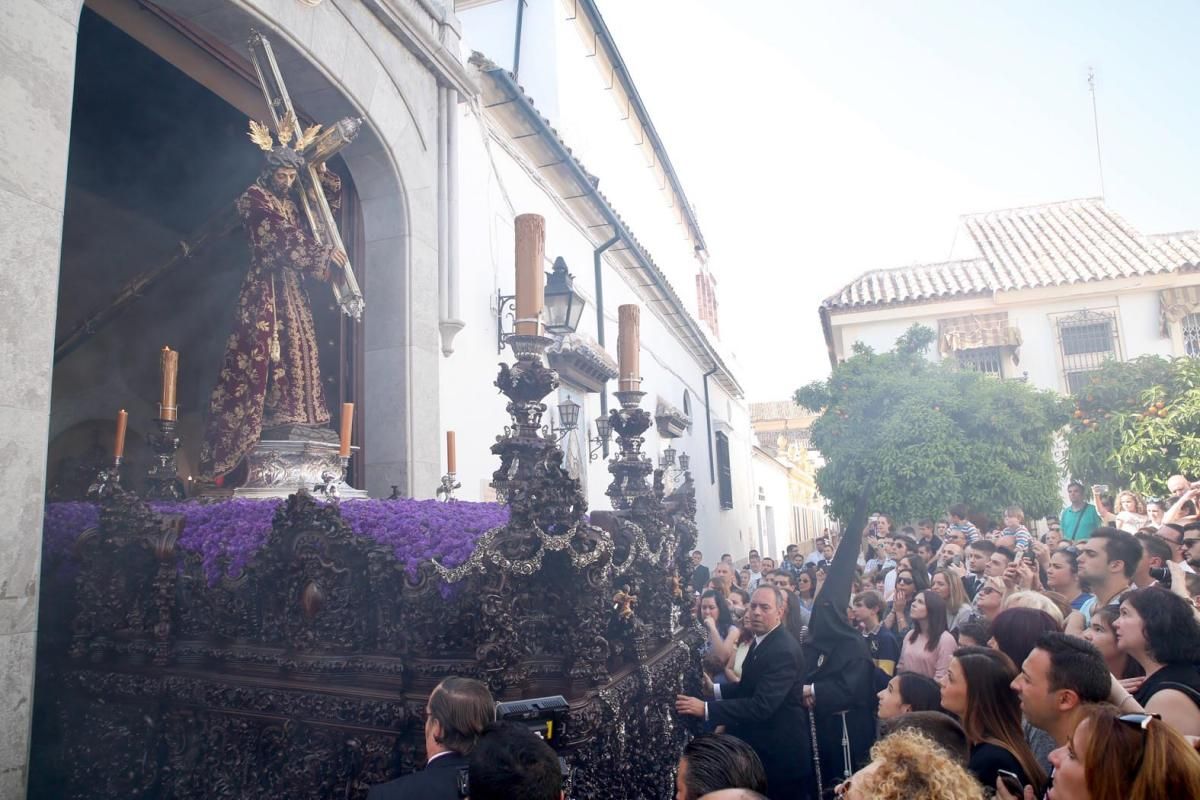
[(270, 375)]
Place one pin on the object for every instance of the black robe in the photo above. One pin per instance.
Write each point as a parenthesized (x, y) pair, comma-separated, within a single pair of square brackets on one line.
[(841, 669)]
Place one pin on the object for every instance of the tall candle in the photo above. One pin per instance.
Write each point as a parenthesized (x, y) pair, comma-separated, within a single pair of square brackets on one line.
[(169, 360), (451, 455), (119, 442), (629, 377), (347, 426), (531, 275)]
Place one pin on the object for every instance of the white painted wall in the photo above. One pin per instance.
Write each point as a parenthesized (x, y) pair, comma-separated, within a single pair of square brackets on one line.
[(1137, 314), (771, 492), (494, 188)]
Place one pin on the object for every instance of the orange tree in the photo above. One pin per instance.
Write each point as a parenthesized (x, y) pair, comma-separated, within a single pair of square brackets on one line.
[(1136, 423), (925, 435)]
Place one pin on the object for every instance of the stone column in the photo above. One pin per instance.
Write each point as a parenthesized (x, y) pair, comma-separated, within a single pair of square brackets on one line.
[(37, 60)]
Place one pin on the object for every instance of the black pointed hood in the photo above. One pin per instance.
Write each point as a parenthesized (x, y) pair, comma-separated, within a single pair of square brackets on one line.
[(829, 630)]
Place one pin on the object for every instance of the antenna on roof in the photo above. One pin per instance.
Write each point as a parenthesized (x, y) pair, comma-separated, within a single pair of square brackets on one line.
[(1096, 126)]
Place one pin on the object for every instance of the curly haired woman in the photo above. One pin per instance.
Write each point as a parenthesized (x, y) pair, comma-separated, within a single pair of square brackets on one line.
[(909, 766)]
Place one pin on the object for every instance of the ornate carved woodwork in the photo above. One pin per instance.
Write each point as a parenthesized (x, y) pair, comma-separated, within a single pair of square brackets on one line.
[(307, 674)]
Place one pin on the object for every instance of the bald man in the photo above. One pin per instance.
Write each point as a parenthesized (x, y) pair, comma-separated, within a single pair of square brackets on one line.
[(733, 794)]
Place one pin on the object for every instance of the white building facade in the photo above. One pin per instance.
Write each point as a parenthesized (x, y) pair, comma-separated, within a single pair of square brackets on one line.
[(545, 141), (1056, 290), (450, 151)]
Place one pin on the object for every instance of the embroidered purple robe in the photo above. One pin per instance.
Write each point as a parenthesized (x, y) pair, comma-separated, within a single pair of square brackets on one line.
[(253, 392)]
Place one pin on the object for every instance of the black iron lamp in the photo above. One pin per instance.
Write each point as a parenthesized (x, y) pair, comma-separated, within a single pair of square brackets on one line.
[(600, 440), (667, 459), (563, 305), (684, 462), (568, 415)]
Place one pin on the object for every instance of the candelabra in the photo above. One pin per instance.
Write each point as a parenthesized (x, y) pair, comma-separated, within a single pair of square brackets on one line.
[(630, 467), (162, 478), (448, 485)]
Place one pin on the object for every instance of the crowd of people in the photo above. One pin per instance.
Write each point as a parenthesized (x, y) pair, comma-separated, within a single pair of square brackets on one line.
[(951, 659), (996, 660)]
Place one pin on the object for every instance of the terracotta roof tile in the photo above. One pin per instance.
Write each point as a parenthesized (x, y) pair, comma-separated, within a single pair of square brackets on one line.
[(1074, 241)]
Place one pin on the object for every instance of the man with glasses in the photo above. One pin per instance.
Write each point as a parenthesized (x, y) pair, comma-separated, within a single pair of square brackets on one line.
[(1176, 537), (1191, 545)]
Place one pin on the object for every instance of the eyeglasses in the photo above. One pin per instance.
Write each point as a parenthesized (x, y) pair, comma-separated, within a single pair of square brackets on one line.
[(904, 581), (1141, 721), (1190, 542)]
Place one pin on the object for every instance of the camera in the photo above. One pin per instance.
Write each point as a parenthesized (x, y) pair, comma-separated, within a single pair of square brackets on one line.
[(545, 716), (1162, 575)]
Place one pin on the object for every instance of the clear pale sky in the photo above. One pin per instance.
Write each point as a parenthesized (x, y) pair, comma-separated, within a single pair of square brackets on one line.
[(820, 140)]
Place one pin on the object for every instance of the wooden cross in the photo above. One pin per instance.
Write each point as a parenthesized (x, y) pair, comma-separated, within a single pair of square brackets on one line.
[(323, 147)]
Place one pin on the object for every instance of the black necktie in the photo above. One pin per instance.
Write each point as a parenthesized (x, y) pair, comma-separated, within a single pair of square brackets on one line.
[(750, 652)]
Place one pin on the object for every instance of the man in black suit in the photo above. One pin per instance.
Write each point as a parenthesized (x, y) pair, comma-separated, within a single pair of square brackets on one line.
[(699, 572), (766, 709), (455, 716)]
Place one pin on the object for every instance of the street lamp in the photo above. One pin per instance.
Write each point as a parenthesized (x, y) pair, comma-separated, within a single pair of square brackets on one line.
[(563, 305), (598, 442), (667, 459), (568, 415)]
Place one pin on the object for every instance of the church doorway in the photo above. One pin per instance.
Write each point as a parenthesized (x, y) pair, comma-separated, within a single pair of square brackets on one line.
[(153, 254)]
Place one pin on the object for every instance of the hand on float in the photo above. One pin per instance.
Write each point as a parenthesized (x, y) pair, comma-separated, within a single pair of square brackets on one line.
[(689, 706)]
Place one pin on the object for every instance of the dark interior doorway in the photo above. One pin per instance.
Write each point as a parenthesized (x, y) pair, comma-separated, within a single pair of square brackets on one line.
[(154, 156)]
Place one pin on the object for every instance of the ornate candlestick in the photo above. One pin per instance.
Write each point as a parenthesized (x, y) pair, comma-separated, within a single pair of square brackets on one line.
[(446, 490), (630, 467), (162, 477)]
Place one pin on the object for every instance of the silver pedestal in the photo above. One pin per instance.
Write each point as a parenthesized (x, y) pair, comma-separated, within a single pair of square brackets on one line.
[(280, 468)]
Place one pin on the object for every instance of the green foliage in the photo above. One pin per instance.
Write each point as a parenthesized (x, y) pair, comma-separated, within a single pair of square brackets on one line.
[(1136, 423), (930, 435)]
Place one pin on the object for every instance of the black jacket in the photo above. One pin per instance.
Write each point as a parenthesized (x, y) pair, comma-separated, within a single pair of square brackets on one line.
[(699, 578), (766, 710), (438, 781)]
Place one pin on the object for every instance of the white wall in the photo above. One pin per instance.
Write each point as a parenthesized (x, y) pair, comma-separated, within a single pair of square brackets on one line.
[(1137, 314), (493, 189), (771, 490)]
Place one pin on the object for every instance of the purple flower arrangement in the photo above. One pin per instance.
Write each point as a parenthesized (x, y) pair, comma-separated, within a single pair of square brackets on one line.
[(227, 534)]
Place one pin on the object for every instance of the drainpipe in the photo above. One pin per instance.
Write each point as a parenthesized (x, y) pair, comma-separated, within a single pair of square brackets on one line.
[(712, 470), (517, 43), (598, 265), (449, 323)]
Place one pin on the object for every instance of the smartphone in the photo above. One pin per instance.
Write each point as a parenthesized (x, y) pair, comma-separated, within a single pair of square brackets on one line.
[(1100, 488), (1011, 782)]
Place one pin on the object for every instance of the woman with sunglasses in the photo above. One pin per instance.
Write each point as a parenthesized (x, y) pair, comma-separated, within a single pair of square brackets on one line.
[(977, 688), (1114, 756), (1158, 629), (908, 584)]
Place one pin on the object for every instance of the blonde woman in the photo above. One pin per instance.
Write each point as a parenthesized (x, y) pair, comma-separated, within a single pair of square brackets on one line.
[(1035, 600), (1131, 514), (908, 765), (950, 588)]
